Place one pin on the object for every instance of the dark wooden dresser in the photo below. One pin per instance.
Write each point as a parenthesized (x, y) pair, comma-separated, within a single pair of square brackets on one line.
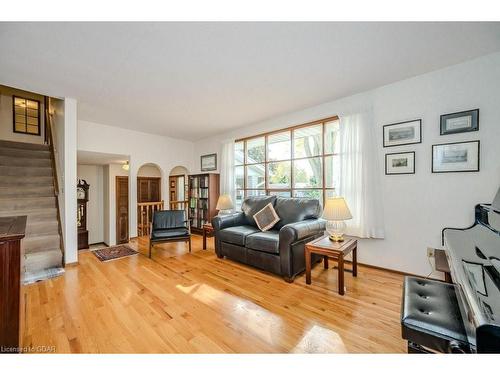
[(12, 230)]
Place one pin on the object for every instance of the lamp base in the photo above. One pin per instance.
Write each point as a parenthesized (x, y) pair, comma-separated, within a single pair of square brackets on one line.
[(336, 238)]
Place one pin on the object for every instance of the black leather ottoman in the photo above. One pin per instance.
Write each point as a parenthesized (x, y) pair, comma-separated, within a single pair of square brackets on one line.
[(430, 317)]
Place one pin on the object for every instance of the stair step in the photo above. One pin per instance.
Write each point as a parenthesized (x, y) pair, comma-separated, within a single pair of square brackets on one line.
[(42, 228), (27, 181), (26, 191), (24, 162), (34, 215), (23, 145), (6, 171), (20, 153), (24, 204), (39, 244), (43, 260)]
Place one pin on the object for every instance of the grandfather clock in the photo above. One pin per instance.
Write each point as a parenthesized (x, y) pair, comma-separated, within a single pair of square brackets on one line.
[(82, 195)]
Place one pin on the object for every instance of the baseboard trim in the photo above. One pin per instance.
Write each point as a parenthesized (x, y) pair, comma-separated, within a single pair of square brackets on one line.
[(392, 271)]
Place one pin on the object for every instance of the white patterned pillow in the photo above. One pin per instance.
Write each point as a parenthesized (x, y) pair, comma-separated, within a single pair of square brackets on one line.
[(266, 218)]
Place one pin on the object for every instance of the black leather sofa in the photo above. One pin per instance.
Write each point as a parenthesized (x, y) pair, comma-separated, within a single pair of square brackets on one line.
[(279, 250)]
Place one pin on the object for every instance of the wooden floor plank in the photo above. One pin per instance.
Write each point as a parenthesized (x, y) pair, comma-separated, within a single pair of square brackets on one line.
[(180, 302)]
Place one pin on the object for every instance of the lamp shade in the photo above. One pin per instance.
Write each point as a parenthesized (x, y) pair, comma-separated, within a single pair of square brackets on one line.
[(224, 203), (336, 209)]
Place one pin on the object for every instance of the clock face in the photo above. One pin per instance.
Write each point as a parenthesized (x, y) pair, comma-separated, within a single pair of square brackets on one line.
[(80, 193)]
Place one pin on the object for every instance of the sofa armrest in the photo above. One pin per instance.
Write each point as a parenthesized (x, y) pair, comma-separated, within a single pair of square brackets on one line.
[(302, 229), (226, 221), (292, 241)]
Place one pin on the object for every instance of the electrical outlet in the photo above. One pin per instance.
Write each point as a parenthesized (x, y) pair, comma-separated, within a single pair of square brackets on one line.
[(430, 252)]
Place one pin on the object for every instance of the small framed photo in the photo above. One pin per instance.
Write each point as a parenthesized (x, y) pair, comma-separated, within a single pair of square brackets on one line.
[(400, 163), (208, 162), (455, 157), (460, 122), (403, 133)]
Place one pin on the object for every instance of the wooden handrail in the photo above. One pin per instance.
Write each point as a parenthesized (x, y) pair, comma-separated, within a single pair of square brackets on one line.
[(49, 136), (150, 203), (178, 205)]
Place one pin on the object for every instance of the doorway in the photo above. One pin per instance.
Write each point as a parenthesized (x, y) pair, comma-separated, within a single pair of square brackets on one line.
[(149, 197), (122, 234), (177, 188), (100, 171)]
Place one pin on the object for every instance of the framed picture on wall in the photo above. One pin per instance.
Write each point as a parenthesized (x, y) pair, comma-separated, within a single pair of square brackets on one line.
[(403, 133), (208, 162), (455, 157), (460, 122), (400, 163)]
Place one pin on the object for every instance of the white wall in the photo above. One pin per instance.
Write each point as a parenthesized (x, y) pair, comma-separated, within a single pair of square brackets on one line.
[(94, 175), (416, 207), (67, 137), (141, 148), (148, 171), (6, 116), (106, 234)]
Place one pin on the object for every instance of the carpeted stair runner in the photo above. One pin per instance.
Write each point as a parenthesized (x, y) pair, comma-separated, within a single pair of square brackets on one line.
[(27, 188)]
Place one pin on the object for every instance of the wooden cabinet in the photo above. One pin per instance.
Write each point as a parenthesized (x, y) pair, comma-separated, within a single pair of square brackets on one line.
[(12, 230), (203, 196), (148, 189)]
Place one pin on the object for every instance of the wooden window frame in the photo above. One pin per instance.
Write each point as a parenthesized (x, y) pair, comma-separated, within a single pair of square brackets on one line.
[(14, 97), (323, 155)]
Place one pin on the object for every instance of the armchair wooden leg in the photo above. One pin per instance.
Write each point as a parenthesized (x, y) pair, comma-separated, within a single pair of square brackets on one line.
[(189, 244), (150, 247)]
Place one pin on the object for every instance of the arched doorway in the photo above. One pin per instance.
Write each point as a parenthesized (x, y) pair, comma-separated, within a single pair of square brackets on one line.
[(178, 188), (149, 197)]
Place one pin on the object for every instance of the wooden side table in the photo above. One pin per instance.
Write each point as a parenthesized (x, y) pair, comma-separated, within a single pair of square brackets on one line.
[(208, 231), (333, 250)]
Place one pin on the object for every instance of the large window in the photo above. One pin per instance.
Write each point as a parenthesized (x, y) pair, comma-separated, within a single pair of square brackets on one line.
[(301, 161)]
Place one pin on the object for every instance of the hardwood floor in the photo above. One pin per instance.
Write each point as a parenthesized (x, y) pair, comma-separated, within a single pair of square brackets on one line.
[(195, 303)]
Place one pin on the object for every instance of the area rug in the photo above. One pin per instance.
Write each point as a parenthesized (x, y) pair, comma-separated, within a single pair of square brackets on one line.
[(114, 252)]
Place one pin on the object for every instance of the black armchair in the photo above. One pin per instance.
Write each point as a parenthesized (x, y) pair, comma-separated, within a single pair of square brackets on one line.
[(169, 226)]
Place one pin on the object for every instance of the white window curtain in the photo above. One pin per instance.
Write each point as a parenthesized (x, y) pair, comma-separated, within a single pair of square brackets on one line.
[(227, 183), (360, 176)]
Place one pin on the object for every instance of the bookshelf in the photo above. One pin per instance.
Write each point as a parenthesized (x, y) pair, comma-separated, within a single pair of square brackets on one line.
[(202, 199)]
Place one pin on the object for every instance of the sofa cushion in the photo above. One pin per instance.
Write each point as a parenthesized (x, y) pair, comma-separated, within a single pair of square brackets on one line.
[(267, 242), (292, 210), (169, 233), (237, 235), (252, 205), (266, 218)]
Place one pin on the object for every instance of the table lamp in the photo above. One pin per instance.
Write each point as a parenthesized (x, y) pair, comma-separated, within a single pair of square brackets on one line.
[(335, 212), (224, 204)]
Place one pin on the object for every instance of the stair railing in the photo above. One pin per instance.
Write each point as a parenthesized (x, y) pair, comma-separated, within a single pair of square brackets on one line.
[(50, 139), (145, 212)]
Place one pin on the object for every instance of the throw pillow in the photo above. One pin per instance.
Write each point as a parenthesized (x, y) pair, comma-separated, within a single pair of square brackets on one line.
[(266, 218)]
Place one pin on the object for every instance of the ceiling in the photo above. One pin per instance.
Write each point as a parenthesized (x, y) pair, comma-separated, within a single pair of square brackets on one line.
[(193, 80), (99, 158)]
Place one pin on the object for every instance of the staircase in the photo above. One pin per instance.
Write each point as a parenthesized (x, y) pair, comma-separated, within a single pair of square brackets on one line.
[(27, 188)]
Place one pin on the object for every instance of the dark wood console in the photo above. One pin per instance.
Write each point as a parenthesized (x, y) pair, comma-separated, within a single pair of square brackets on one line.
[(12, 230)]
